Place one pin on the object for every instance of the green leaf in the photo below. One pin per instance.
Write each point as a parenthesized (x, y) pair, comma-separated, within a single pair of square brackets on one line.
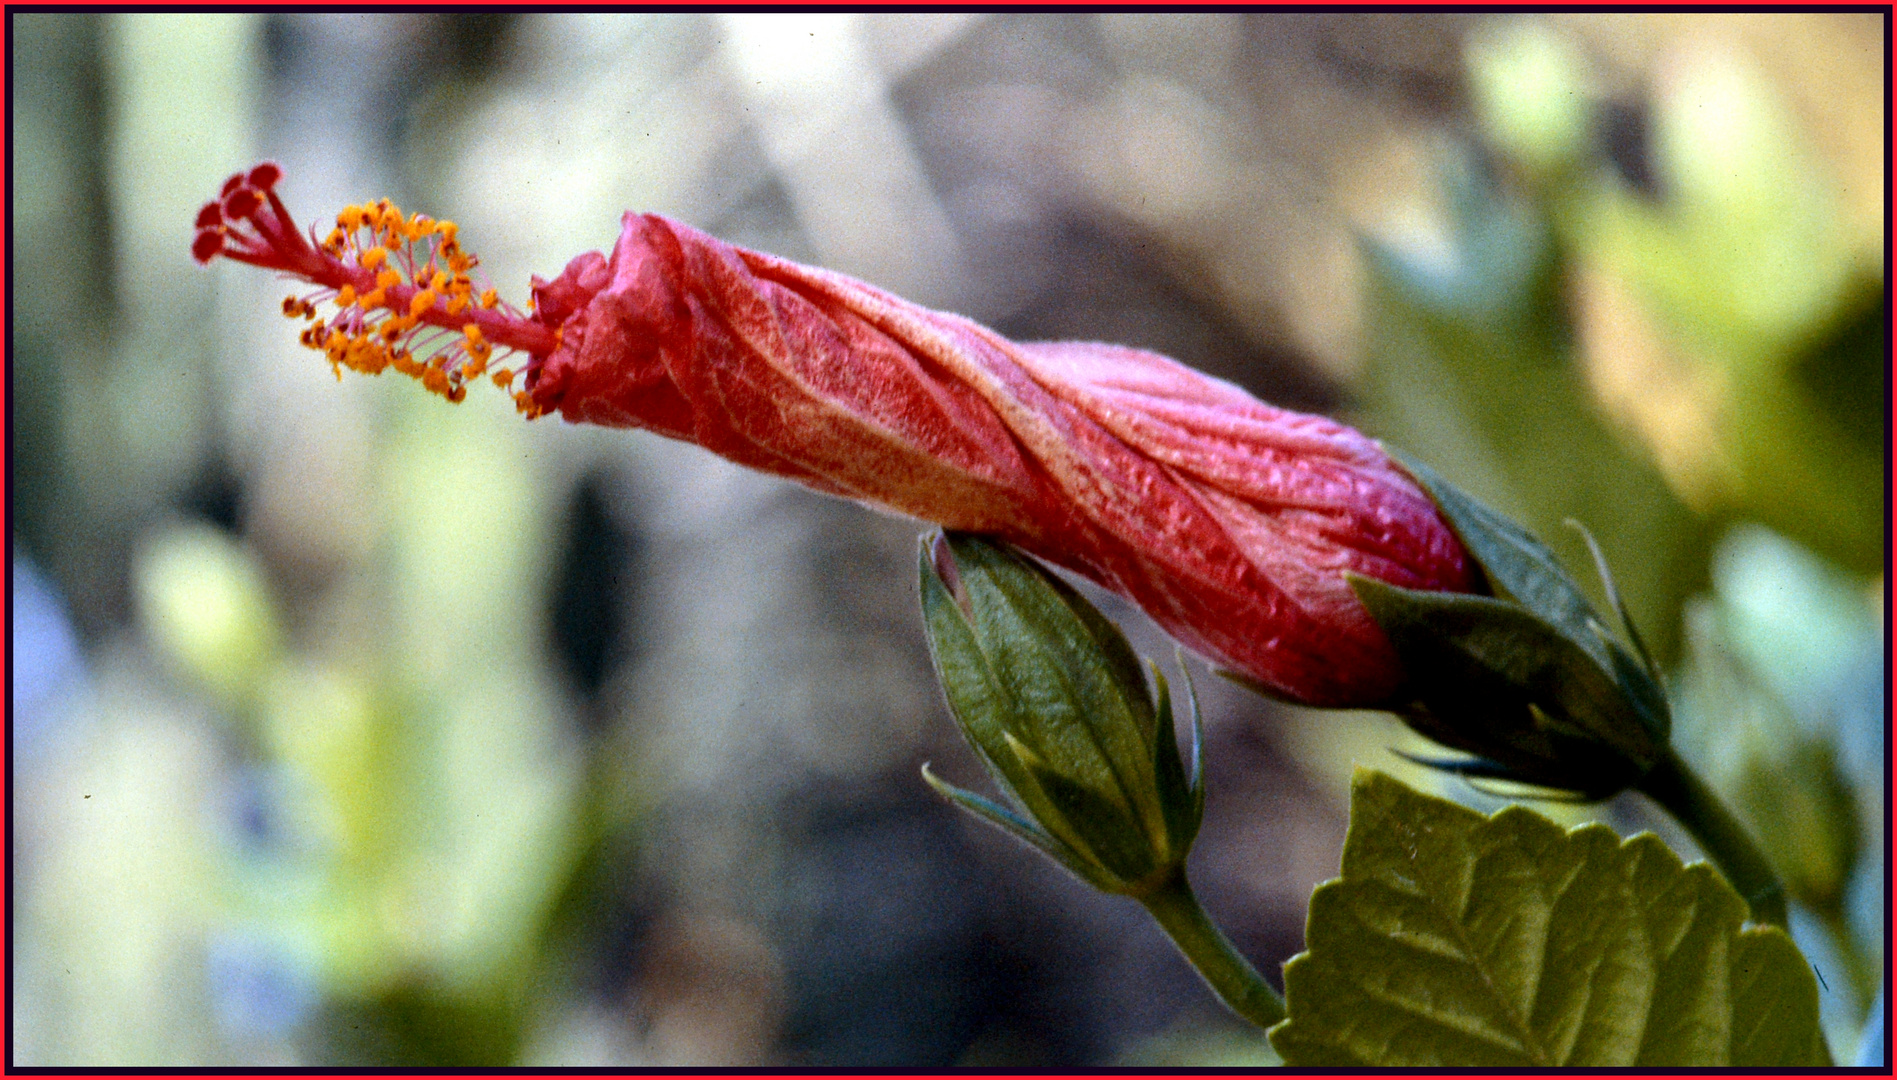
[(1454, 939)]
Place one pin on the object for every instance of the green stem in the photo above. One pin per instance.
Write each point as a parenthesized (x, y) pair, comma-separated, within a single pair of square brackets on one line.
[(1230, 975), (1721, 835)]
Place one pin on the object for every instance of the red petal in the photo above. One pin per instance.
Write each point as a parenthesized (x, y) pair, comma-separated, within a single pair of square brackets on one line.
[(1231, 522)]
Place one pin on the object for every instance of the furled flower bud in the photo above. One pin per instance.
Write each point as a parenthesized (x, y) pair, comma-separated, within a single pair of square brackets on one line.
[(1052, 697), (1230, 522)]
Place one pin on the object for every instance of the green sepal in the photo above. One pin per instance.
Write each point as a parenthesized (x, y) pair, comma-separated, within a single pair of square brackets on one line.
[(1491, 678), (975, 693), (1614, 600), (1195, 783), (1517, 565), (1476, 768), (1181, 798), (1054, 699), (1642, 690), (1079, 697), (1103, 831), (1009, 822)]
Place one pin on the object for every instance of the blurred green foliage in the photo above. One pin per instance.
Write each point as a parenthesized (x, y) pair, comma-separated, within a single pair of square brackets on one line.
[(425, 804), (1471, 365), (1749, 388), (1779, 703)]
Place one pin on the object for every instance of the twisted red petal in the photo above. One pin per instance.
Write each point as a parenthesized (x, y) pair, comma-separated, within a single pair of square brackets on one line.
[(1230, 521)]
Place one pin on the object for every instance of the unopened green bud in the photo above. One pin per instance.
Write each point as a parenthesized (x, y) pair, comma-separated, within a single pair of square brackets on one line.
[(1054, 700), (1529, 679)]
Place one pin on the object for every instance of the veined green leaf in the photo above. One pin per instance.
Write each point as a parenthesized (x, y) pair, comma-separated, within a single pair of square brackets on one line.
[(1455, 939)]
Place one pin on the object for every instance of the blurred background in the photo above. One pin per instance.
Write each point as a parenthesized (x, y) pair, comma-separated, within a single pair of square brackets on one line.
[(354, 728)]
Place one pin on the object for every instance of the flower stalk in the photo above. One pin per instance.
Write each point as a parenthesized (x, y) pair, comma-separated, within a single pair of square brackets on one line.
[(1232, 977), (1679, 791)]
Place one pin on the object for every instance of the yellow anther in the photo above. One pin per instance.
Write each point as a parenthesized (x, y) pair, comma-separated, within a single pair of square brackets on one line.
[(440, 283), (375, 298), (472, 331), (447, 230), (474, 367), (436, 381), (373, 258), (490, 300), (458, 304), (458, 262), (421, 302), (502, 377), (350, 219), (394, 238), (346, 296), (387, 278)]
